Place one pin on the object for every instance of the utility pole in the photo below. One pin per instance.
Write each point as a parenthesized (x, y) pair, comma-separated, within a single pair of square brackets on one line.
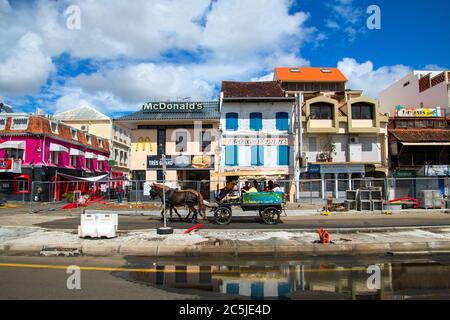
[(165, 229)]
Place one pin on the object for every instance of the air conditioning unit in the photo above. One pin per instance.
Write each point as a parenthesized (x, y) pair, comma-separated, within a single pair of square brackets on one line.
[(353, 140), (85, 128)]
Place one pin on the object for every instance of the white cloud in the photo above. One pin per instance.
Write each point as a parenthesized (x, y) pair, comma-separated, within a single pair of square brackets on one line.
[(346, 17), (27, 69), (363, 76), (267, 77), (229, 40), (434, 67)]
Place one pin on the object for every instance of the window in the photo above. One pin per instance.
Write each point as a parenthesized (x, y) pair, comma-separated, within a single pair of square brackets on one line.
[(325, 70), (321, 111), (282, 121), (362, 111), (100, 143), (2, 123), (89, 163), (205, 143), (73, 161), (116, 154), (88, 138), (231, 155), (406, 84), (283, 155), (54, 157), (231, 121), (73, 133), (257, 156), (256, 121), (54, 127), (100, 165), (19, 123), (181, 141), (125, 158), (14, 153), (22, 184)]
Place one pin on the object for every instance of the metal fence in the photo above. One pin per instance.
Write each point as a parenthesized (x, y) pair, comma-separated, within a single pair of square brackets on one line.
[(44, 196), (315, 191)]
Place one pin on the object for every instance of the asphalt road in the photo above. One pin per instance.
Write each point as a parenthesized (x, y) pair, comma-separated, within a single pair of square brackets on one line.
[(44, 278), (309, 222)]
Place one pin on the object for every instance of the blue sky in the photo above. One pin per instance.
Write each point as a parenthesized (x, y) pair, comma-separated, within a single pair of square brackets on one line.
[(126, 53)]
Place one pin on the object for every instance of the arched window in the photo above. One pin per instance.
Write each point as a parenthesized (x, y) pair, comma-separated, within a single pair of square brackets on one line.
[(231, 119), (256, 121), (282, 121), (362, 111), (321, 111)]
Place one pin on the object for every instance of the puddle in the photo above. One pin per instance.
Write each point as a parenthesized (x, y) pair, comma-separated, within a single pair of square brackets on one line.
[(239, 280)]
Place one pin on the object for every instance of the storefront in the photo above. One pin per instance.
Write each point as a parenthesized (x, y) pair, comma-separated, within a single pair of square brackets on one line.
[(333, 180), (186, 132)]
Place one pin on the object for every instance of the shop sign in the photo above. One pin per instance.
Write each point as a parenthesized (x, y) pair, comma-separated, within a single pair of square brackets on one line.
[(186, 162), (256, 141), (335, 168), (172, 106), (5, 164), (435, 170), (401, 111), (405, 174)]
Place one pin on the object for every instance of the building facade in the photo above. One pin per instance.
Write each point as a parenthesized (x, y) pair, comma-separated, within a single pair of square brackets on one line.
[(89, 120), (257, 127), (419, 89), (183, 131), (37, 149), (344, 137)]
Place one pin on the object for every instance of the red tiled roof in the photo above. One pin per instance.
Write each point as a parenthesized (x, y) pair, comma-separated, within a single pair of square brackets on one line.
[(261, 89), (421, 135), (298, 74), (41, 125)]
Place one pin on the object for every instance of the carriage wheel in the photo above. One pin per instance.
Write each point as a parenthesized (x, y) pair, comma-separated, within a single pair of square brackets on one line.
[(223, 215), (271, 215)]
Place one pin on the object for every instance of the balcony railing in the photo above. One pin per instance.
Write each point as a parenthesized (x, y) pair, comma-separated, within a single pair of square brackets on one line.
[(11, 165)]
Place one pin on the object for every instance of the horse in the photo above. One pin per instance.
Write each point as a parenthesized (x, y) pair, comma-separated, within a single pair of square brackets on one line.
[(176, 198)]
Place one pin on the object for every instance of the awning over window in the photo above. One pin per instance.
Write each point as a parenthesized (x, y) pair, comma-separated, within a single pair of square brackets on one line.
[(13, 145), (76, 152), (102, 158), (90, 155), (58, 148)]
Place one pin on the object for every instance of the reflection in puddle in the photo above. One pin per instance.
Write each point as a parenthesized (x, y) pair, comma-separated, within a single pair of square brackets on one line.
[(331, 281)]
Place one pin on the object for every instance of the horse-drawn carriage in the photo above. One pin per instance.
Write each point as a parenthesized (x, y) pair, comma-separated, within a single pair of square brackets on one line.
[(268, 204)]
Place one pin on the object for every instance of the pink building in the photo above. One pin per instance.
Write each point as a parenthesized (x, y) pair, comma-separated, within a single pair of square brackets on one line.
[(36, 148)]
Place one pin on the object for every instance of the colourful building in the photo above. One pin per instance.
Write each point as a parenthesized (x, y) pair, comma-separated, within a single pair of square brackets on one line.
[(40, 150)]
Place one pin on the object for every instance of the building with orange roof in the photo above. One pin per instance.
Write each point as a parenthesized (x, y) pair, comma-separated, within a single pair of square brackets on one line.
[(304, 79), (340, 133)]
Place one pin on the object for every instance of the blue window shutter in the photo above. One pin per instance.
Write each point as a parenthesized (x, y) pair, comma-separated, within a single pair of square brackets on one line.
[(257, 290), (233, 288), (231, 155), (257, 156), (231, 119), (283, 155), (282, 119), (256, 121)]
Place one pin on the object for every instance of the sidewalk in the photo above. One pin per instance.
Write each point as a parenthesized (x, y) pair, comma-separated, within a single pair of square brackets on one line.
[(223, 243)]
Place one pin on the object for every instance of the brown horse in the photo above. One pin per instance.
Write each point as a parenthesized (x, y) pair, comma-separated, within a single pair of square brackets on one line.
[(175, 198)]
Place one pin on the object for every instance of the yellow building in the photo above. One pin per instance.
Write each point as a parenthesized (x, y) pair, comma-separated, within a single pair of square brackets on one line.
[(183, 131)]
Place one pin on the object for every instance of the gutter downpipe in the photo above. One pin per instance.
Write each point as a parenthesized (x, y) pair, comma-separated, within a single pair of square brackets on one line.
[(299, 157)]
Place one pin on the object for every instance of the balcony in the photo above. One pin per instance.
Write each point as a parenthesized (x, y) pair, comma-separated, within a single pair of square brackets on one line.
[(11, 165)]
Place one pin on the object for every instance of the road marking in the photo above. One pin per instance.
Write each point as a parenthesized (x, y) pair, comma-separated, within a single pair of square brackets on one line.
[(153, 270)]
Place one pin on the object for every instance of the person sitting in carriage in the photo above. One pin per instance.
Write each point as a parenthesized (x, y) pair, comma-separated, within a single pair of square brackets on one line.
[(229, 187)]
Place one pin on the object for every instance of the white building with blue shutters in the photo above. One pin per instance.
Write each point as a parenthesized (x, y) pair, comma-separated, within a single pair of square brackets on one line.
[(257, 133)]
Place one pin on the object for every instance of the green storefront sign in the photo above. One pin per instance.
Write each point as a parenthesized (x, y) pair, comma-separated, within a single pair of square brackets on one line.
[(405, 174)]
